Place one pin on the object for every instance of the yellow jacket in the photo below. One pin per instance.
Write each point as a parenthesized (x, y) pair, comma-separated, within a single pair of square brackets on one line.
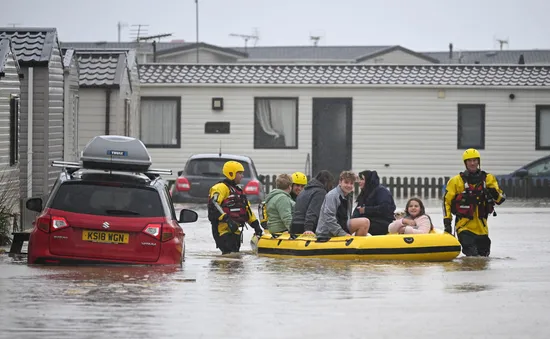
[(475, 225), (222, 191)]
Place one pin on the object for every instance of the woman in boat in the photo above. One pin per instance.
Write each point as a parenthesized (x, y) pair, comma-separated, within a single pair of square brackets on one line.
[(415, 221), (308, 203), (375, 203)]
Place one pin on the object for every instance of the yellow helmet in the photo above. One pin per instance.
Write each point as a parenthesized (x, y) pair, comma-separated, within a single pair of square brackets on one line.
[(471, 153), (231, 168), (299, 178)]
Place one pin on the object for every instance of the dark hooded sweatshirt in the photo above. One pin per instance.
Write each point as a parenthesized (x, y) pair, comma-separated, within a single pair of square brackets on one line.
[(377, 199), (307, 208)]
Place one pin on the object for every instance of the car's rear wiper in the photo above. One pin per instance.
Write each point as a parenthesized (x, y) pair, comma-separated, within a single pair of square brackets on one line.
[(122, 212)]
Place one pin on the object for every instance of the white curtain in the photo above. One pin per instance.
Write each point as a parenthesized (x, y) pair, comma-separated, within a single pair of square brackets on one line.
[(158, 122), (264, 117), (277, 117)]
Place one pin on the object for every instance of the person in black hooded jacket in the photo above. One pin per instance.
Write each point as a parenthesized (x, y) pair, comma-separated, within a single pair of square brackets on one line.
[(308, 203), (374, 202)]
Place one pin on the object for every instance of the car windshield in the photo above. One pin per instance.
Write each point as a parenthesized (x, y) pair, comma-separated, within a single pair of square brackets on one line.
[(108, 199), (212, 167), (541, 168)]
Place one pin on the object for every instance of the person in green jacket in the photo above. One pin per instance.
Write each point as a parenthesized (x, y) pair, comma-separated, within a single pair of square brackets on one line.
[(279, 205)]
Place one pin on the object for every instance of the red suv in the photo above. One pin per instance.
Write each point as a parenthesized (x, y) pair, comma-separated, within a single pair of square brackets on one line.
[(109, 208)]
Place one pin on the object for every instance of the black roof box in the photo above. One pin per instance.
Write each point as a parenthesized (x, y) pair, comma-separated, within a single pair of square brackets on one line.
[(117, 153)]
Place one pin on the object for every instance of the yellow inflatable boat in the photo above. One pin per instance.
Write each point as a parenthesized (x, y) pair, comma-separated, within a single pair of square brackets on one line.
[(436, 246)]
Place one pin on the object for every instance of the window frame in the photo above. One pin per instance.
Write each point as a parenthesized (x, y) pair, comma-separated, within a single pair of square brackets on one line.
[(538, 110), (460, 108), (177, 99), (14, 129), (256, 125)]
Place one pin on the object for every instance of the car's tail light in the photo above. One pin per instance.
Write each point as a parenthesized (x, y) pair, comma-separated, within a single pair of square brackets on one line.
[(49, 224), (168, 232), (43, 223), (253, 187), (182, 184), (153, 230), (58, 223)]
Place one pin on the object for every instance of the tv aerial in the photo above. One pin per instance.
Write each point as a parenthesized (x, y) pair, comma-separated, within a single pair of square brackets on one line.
[(246, 37)]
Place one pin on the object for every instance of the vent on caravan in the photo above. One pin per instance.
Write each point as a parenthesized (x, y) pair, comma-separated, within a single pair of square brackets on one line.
[(116, 153)]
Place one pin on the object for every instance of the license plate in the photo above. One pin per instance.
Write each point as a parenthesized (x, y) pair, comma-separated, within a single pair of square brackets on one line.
[(105, 237)]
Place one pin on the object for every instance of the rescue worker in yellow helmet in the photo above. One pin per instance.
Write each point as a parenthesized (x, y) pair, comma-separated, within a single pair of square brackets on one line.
[(229, 210), (471, 196), (299, 181)]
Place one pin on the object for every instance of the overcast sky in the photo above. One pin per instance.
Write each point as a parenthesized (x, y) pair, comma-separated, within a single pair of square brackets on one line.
[(422, 25)]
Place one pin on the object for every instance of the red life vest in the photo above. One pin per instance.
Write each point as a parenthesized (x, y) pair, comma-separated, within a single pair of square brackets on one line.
[(236, 205), (472, 197)]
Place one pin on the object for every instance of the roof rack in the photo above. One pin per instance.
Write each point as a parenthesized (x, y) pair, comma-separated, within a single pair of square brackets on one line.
[(114, 153)]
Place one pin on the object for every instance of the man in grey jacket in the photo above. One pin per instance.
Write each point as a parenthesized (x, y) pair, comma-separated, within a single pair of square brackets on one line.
[(334, 218)]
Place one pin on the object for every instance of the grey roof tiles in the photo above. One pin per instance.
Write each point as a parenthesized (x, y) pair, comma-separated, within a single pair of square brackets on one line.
[(338, 53), (101, 69), (31, 45), (428, 75)]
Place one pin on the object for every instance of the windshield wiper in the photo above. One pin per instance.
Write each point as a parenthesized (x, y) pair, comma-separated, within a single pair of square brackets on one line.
[(122, 212)]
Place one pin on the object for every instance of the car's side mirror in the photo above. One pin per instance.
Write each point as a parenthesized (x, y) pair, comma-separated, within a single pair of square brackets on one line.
[(522, 173), (34, 204), (188, 216), (179, 173), (261, 177)]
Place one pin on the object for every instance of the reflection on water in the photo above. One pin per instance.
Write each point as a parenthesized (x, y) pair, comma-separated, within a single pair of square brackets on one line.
[(469, 287), (245, 296), (468, 264)]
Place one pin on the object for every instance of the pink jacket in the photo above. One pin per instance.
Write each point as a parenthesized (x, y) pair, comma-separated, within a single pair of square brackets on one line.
[(423, 225)]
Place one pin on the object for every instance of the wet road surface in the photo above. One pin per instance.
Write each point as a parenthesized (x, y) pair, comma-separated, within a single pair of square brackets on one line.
[(245, 296)]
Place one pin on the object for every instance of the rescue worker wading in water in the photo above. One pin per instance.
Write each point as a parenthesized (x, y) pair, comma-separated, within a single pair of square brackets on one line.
[(471, 197), (229, 210)]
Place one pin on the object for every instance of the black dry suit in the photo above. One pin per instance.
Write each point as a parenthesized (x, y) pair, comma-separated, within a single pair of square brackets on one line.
[(308, 206), (378, 203)]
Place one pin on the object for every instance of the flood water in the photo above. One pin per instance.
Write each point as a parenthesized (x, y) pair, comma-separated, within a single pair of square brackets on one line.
[(245, 296)]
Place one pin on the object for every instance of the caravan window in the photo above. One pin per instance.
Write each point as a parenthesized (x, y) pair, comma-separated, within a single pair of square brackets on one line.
[(161, 122)]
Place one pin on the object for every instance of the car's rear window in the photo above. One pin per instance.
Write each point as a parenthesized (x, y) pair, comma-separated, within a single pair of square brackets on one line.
[(108, 199), (212, 167)]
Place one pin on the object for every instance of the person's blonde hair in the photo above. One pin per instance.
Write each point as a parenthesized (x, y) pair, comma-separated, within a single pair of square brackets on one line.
[(283, 181), (348, 176)]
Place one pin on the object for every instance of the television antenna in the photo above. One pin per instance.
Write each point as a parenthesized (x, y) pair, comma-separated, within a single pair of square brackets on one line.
[(315, 39), (502, 42), (153, 37), (316, 36), (246, 37), (137, 31)]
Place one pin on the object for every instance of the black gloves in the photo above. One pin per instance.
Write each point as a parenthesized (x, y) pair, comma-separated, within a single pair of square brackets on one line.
[(448, 227), (257, 228), (233, 226)]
